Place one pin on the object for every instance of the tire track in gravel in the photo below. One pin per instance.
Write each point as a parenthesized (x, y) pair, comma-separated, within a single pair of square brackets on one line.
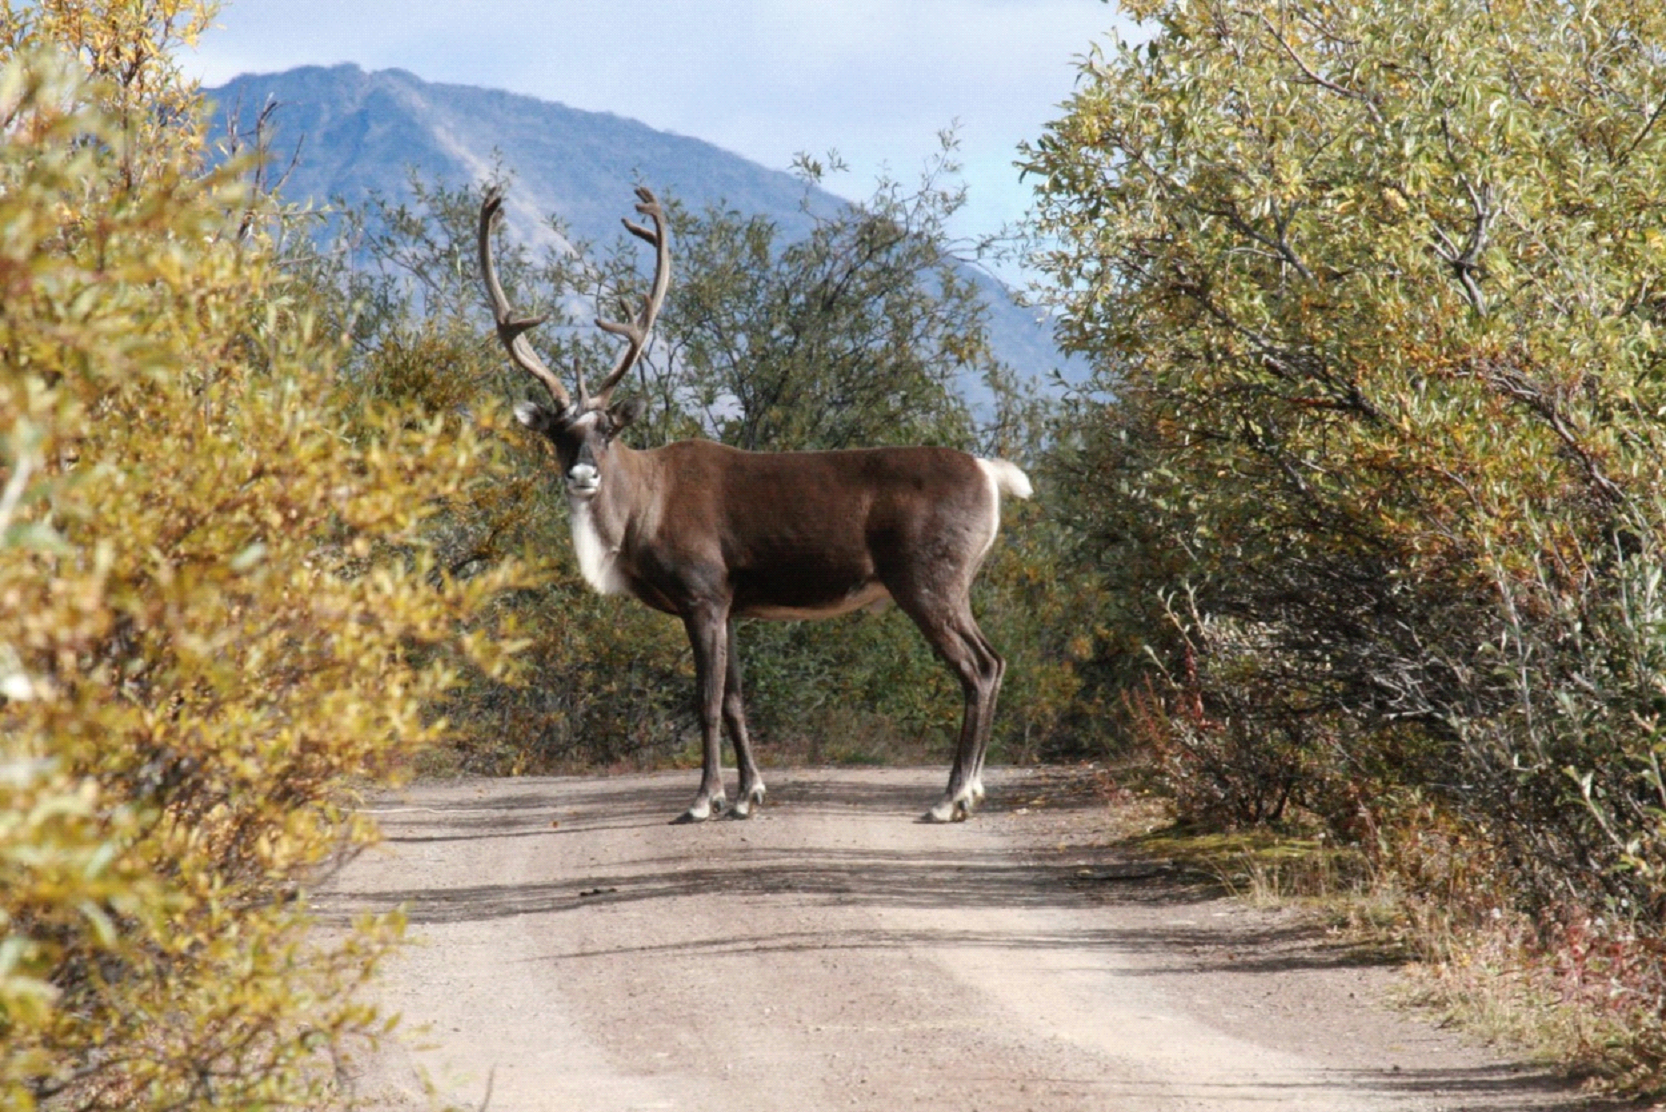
[(570, 950)]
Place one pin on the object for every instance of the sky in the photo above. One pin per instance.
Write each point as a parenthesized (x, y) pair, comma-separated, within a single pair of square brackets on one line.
[(875, 80)]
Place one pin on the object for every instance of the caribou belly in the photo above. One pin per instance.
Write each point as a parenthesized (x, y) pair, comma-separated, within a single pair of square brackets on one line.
[(869, 595)]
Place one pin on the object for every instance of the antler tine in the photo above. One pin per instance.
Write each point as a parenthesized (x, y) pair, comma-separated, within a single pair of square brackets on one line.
[(511, 330), (636, 331)]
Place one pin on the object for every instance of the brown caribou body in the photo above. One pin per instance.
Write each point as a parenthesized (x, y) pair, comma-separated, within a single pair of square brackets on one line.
[(711, 533)]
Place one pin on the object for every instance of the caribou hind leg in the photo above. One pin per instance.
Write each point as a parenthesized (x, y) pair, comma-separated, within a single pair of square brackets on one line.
[(986, 715), (958, 640)]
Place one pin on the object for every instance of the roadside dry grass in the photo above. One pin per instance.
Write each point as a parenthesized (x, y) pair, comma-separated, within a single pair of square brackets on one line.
[(1585, 996)]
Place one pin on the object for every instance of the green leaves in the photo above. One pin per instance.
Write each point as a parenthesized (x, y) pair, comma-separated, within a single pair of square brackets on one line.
[(1375, 288), (219, 604), (860, 333)]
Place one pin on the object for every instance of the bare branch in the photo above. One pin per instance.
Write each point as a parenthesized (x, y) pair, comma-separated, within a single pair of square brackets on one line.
[(1313, 76), (1518, 387), (1466, 263), (1643, 132)]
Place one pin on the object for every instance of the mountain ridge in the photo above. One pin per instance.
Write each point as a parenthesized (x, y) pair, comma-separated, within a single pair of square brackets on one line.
[(360, 130), (354, 132)]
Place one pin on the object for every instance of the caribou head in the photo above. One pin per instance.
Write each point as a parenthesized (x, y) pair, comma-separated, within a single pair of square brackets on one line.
[(582, 432)]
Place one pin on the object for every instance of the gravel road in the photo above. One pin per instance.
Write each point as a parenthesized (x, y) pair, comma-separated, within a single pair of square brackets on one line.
[(570, 950)]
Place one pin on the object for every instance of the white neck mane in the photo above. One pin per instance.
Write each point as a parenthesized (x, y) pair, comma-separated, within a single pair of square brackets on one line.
[(598, 560)]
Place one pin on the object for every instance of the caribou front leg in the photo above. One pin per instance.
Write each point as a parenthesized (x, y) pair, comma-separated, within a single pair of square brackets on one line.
[(708, 635), (734, 717)]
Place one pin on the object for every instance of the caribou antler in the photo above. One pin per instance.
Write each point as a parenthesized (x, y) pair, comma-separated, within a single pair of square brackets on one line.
[(511, 329), (636, 331)]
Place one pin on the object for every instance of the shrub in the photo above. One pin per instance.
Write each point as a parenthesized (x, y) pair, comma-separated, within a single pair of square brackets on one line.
[(1373, 289), (217, 600)]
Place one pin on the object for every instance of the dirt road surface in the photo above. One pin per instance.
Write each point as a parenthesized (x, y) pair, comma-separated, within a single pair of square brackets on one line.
[(572, 951)]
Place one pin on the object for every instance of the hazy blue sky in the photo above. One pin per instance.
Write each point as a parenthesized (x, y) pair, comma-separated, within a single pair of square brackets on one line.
[(875, 79)]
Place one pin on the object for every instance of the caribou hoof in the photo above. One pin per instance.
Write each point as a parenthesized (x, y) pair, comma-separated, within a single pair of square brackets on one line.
[(702, 810), (743, 805), (949, 810)]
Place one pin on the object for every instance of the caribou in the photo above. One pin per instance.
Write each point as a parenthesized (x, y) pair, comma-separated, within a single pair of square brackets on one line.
[(709, 533)]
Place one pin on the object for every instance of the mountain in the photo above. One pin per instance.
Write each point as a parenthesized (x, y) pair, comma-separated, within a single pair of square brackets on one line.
[(354, 132)]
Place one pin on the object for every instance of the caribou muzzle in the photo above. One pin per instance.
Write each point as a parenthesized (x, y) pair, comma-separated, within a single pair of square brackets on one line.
[(583, 480)]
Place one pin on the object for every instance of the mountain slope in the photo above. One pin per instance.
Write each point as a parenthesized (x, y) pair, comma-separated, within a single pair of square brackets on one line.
[(358, 132), (361, 131)]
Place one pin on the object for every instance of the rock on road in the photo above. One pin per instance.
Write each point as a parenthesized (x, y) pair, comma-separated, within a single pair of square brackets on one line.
[(570, 950)]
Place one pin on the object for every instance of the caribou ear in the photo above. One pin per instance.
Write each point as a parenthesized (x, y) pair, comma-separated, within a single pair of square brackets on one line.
[(538, 418), (626, 412)]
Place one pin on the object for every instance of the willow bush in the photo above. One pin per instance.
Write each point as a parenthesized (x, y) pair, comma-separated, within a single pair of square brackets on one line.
[(1376, 291), (218, 603)]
